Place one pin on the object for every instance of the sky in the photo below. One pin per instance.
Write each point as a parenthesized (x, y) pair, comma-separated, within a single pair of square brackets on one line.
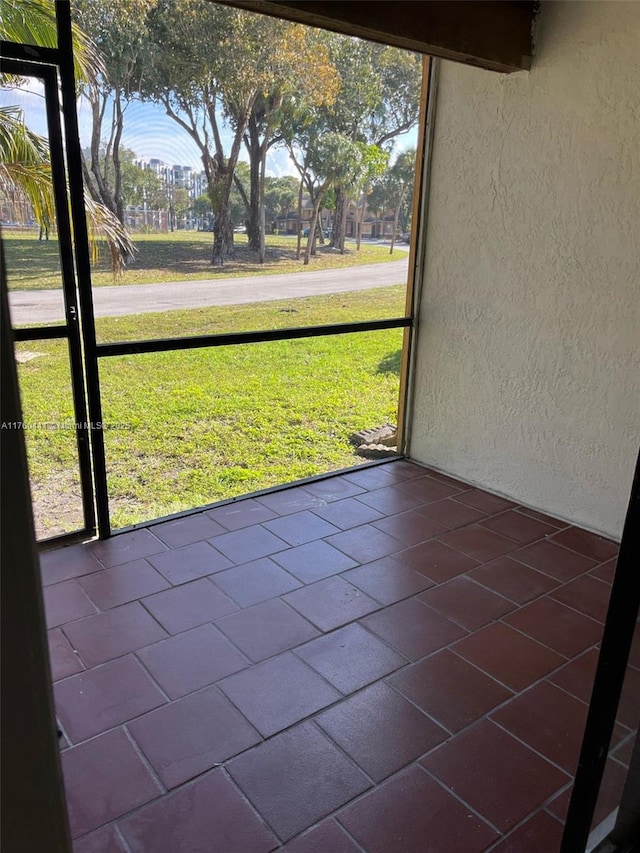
[(149, 132)]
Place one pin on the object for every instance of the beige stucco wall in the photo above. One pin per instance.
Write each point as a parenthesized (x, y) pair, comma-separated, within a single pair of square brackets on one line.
[(528, 367)]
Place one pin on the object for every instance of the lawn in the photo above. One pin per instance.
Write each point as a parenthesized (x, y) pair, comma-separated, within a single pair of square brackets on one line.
[(178, 256), (209, 424)]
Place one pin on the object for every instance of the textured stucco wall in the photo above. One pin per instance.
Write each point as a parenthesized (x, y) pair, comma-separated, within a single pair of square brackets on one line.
[(528, 367)]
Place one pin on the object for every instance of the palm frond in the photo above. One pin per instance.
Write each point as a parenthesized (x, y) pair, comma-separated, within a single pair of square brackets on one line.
[(34, 22), (25, 165)]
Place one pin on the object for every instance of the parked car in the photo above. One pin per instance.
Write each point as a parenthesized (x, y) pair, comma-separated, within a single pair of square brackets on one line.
[(406, 237)]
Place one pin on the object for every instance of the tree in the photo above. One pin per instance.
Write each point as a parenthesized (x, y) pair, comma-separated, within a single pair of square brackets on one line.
[(374, 163), (118, 29), (303, 78), (390, 191), (379, 99), (333, 160), (279, 195), (208, 65)]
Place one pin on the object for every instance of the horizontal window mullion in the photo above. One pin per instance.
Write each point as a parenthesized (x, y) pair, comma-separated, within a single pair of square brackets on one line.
[(238, 338), (41, 333)]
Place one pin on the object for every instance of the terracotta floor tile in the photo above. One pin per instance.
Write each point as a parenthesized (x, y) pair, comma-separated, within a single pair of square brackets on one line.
[(577, 676), (624, 751), (427, 490), (185, 531), (387, 581), (413, 629), (211, 811), (242, 513), (498, 776), (350, 658), (106, 840), (209, 641), (122, 584), (549, 721), (450, 690), (331, 602), (191, 660), (540, 516), (312, 562), (300, 528), (290, 500), (605, 571), (347, 513), (389, 500), (113, 633), (613, 780), (508, 656), (278, 693), (333, 489), (189, 605), (435, 560), (521, 528), (191, 735), (266, 629), (486, 502), (365, 543), (380, 730), (64, 660), (408, 469), (441, 477), (64, 602), (587, 594), (413, 814), (466, 603), (255, 582), (65, 563), (327, 837), (105, 697), (562, 629), (410, 528), (553, 560), (122, 784), (540, 832), (190, 562), (514, 580), (589, 544), (126, 547), (451, 513), (297, 778), (478, 542), (250, 543), (376, 477)]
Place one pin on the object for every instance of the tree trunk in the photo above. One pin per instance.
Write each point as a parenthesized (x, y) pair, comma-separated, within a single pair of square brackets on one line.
[(117, 167), (253, 219), (339, 220), (311, 240), (395, 220), (299, 241), (360, 220), (223, 228), (261, 206)]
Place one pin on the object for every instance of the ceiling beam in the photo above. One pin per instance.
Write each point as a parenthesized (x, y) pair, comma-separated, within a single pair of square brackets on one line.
[(492, 34)]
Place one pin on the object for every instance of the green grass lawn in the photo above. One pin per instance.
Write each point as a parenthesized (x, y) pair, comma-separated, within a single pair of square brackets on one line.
[(182, 255), (205, 425)]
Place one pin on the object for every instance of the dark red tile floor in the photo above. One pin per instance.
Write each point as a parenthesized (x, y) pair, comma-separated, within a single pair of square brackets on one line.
[(387, 660)]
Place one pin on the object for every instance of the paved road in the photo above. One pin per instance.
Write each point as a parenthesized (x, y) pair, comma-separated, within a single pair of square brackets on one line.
[(30, 307)]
